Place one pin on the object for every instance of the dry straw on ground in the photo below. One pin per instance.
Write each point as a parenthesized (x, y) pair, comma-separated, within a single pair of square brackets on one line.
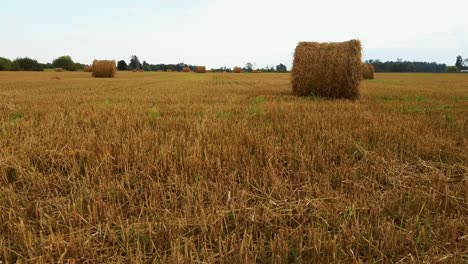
[(368, 71), (236, 70), (331, 70), (227, 168), (88, 69), (186, 69), (104, 68), (201, 69)]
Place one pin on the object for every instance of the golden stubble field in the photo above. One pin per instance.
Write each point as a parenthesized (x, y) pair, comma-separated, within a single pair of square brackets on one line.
[(231, 168)]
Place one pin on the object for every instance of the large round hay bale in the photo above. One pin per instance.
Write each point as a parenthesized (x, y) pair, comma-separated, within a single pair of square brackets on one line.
[(104, 68), (368, 71), (201, 69), (331, 70), (236, 70), (88, 69), (185, 69)]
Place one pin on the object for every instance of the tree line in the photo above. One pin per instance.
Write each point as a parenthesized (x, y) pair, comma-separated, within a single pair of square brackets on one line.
[(135, 64), (407, 66), (67, 63), (417, 66), (28, 64)]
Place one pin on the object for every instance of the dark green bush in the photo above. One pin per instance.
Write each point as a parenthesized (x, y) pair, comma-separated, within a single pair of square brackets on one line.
[(65, 62), (26, 64), (5, 64)]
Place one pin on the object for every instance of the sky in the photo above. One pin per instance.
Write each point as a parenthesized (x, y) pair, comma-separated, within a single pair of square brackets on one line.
[(220, 33)]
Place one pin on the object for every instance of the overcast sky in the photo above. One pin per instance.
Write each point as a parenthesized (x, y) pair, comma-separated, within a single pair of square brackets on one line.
[(228, 33)]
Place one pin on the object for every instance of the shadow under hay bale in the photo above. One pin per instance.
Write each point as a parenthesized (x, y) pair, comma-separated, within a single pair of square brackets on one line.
[(331, 70), (104, 68), (368, 71)]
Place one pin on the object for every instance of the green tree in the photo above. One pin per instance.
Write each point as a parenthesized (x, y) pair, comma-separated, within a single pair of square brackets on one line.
[(248, 67), (281, 68), (122, 65), (146, 66), (64, 62), (5, 64), (452, 69), (459, 62), (26, 64), (134, 63)]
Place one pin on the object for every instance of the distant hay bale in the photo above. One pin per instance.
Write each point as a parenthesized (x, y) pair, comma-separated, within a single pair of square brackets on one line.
[(368, 71), (169, 70), (236, 70), (104, 68), (186, 69), (88, 69), (201, 69), (134, 70), (331, 70), (59, 70)]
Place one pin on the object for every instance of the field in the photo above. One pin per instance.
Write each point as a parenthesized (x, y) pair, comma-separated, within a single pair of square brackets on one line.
[(231, 168)]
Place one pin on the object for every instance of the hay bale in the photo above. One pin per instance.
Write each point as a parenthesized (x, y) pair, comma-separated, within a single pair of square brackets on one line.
[(201, 69), (331, 70), (236, 70), (58, 70), (88, 69), (368, 71), (104, 68), (185, 69), (168, 70)]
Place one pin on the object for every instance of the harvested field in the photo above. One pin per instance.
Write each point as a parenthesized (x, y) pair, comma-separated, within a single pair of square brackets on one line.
[(231, 168)]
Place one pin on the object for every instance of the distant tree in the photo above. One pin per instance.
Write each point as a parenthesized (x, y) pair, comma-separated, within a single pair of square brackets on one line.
[(78, 66), (281, 68), (459, 62), (146, 66), (64, 62), (122, 65), (134, 63), (47, 65), (465, 63), (453, 69), (410, 67), (248, 67), (5, 64), (407, 66), (26, 64)]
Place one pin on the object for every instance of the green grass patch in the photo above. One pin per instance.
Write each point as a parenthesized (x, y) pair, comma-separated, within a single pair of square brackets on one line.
[(154, 113), (223, 114), (15, 116)]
